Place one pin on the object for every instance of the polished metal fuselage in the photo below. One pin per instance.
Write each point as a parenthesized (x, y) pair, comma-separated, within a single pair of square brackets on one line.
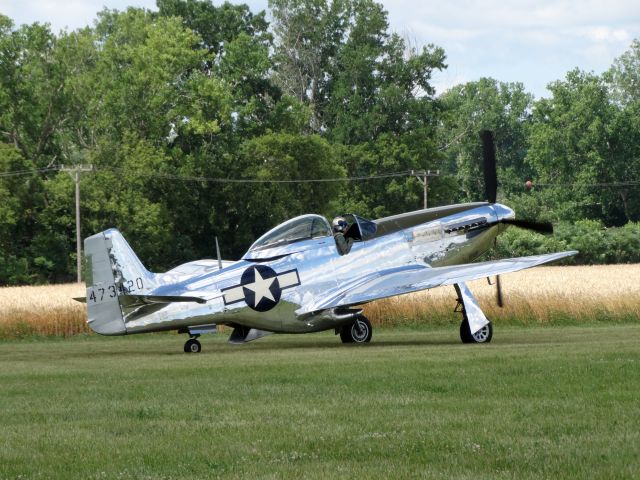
[(434, 238)]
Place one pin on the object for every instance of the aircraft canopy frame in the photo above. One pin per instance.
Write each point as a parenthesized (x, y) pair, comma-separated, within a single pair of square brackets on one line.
[(304, 227)]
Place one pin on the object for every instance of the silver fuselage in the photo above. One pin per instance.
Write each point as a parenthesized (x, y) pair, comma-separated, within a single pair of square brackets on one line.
[(436, 237)]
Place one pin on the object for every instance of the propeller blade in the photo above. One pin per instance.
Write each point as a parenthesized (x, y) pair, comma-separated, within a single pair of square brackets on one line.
[(540, 227), (489, 165), (499, 292), (218, 257)]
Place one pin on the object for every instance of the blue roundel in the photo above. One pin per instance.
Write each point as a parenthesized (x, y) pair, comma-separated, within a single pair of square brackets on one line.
[(261, 288)]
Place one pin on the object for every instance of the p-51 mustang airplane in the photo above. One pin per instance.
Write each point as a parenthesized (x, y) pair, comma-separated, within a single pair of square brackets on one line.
[(294, 278)]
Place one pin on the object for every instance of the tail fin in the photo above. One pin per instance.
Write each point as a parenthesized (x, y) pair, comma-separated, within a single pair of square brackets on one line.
[(114, 271)]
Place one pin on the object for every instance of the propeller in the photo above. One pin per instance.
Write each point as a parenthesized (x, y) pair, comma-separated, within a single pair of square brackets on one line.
[(491, 185), (218, 257), (540, 227), (489, 165), (499, 292), (491, 191)]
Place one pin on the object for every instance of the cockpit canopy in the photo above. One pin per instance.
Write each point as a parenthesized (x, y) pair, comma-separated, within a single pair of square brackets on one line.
[(304, 227), (359, 228)]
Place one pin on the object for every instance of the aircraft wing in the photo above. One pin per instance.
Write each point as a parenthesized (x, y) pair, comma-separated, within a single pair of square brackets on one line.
[(413, 278)]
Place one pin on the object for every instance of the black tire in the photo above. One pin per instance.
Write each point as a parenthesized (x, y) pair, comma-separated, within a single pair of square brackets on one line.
[(465, 333), (192, 346), (360, 331), (483, 335)]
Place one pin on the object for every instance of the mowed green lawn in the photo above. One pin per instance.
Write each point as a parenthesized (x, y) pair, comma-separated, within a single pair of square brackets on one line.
[(554, 402)]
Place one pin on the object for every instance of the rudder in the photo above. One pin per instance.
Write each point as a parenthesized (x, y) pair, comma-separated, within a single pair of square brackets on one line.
[(114, 270)]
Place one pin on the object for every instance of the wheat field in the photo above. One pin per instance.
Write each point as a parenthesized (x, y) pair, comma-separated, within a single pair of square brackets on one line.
[(541, 295), (42, 311)]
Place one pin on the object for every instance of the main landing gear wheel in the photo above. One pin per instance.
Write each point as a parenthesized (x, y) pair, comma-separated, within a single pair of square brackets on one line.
[(481, 336), (192, 346), (359, 331)]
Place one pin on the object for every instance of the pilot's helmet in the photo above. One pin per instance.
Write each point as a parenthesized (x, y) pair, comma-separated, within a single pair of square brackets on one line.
[(339, 224)]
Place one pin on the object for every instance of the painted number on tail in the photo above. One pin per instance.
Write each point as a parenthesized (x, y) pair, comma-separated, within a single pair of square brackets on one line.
[(99, 294)]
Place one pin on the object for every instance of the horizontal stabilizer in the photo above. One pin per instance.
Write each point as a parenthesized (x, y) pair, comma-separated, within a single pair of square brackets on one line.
[(129, 300)]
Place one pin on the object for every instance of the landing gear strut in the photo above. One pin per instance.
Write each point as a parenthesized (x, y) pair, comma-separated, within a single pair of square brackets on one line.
[(360, 331), (192, 345)]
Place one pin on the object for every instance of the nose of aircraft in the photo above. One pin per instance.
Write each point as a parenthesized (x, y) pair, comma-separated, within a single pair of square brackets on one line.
[(503, 212)]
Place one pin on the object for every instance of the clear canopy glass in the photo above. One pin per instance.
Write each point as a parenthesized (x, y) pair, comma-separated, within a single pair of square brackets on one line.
[(297, 229)]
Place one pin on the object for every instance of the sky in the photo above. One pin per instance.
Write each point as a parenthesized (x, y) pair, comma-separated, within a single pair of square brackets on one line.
[(528, 41)]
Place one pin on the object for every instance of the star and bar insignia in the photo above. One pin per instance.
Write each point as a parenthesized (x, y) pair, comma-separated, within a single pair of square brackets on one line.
[(261, 287)]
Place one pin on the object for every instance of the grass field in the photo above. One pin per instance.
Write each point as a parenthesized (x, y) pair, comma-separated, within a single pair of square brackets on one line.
[(539, 402), (544, 295)]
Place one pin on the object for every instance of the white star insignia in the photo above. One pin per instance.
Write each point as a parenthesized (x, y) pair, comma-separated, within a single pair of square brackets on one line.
[(261, 287)]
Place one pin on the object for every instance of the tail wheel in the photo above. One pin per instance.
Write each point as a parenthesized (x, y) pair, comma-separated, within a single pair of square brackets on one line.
[(359, 331), (192, 346), (483, 335)]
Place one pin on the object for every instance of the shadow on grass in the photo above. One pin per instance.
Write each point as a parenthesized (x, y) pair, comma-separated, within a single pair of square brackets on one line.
[(219, 347), (167, 345)]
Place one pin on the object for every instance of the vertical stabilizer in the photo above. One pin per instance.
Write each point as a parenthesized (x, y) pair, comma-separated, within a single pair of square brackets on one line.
[(114, 270)]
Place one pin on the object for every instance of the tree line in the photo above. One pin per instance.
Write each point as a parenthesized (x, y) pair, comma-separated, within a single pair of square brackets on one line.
[(204, 121)]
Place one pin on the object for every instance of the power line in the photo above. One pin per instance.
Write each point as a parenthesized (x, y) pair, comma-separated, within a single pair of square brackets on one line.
[(198, 178), (405, 173), (192, 178), (630, 183), (18, 173)]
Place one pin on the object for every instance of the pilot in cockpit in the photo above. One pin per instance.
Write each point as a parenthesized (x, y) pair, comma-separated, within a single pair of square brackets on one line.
[(340, 227)]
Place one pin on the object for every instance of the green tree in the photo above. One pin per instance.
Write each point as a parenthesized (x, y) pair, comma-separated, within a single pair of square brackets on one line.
[(217, 26), (575, 145), (36, 107), (237, 42), (33, 100), (380, 197), (623, 80), (308, 35), (142, 64), (21, 195), (486, 104), (360, 80), (378, 85), (366, 90), (284, 156), (624, 75)]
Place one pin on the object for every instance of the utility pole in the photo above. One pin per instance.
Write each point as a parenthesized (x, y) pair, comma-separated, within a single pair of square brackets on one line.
[(75, 171), (423, 178)]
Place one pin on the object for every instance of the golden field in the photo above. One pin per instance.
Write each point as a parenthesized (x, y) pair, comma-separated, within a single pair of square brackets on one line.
[(45, 311), (536, 296)]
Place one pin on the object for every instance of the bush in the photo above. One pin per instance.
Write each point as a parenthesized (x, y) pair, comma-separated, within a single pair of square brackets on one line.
[(596, 243)]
